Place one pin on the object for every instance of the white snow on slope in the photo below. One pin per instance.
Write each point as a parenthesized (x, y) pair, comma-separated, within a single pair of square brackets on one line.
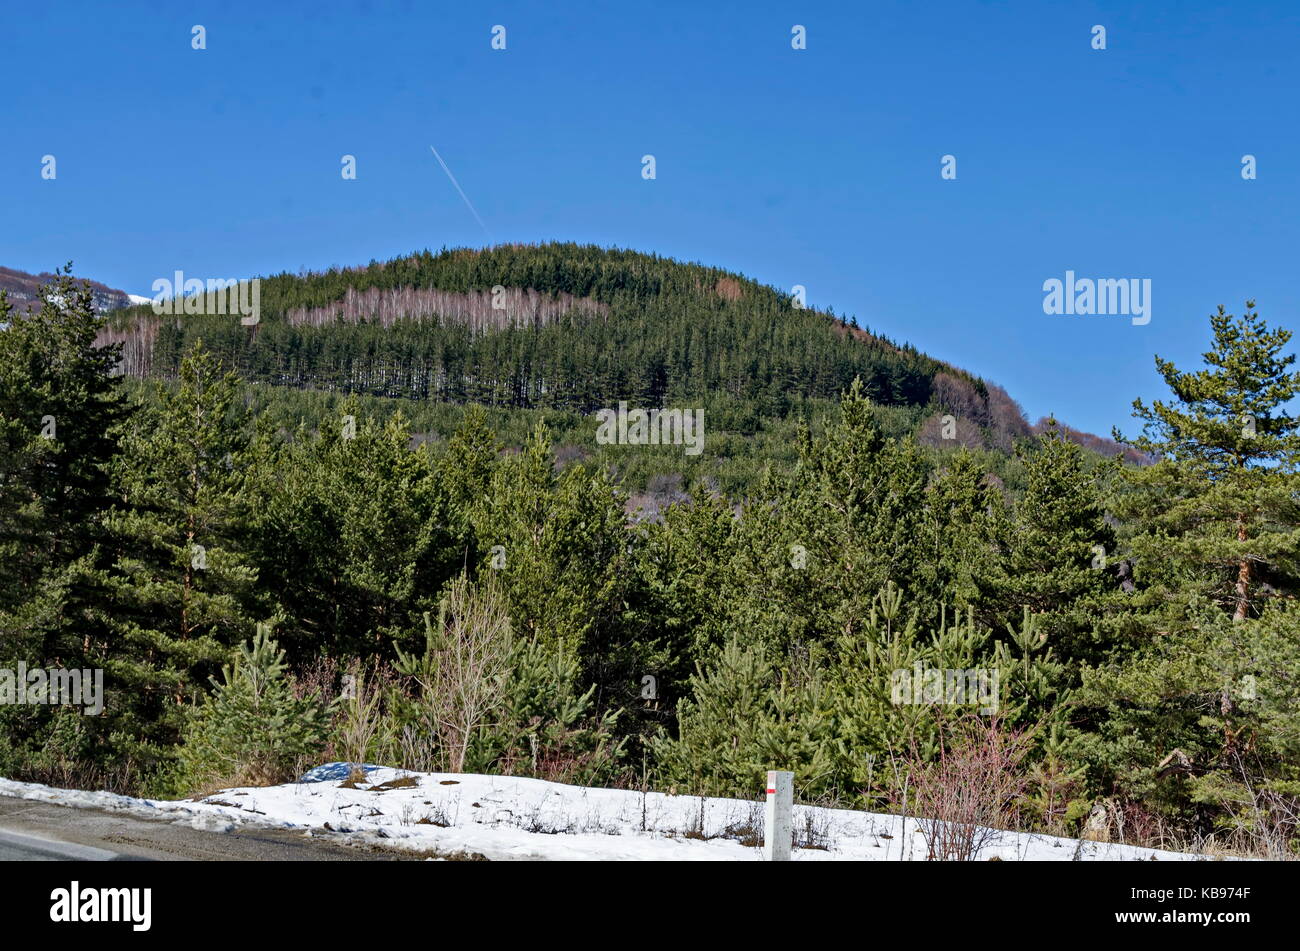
[(137, 299), (505, 817)]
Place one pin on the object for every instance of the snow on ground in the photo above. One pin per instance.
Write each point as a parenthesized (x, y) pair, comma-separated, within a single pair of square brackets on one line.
[(506, 817)]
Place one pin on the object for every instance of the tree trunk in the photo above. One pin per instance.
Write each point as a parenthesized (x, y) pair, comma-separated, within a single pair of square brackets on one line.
[(1243, 575)]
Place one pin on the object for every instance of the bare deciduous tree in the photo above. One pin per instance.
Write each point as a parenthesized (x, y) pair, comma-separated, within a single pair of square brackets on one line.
[(969, 793), (462, 674)]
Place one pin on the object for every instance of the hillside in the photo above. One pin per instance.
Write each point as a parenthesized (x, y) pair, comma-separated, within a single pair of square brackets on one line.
[(23, 291), (258, 577), (573, 328)]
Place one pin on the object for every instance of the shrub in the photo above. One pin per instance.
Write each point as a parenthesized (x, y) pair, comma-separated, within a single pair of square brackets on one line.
[(252, 730), (971, 791)]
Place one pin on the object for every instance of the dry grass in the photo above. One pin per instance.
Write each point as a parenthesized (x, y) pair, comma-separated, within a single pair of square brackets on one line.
[(401, 782)]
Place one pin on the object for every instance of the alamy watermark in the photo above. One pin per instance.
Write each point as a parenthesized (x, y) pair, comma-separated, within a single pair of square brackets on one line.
[(933, 685), (77, 904), (652, 427), (192, 296), (1103, 297), (54, 685)]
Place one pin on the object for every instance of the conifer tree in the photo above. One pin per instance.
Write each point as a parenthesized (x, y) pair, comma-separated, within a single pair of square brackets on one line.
[(1218, 507), (959, 536), (353, 533), (1058, 545), (557, 544), (60, 415), (826, 537), (181, 591), (254, 729), (61, 410), (1213, 526)]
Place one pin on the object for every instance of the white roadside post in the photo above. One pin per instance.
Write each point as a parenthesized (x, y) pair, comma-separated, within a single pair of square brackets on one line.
[(778, 827)]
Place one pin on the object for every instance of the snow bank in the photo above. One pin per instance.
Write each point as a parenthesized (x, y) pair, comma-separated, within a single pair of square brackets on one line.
[(504, 817)]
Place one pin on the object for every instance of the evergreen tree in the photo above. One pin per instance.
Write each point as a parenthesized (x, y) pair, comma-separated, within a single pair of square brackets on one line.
[(960, 538), (556, 541), (181, 591), (353, 532), (827, 536), (1219, 507), (1058, 544), (1202, 678), (254, 730), (61, 410), (60, 415)]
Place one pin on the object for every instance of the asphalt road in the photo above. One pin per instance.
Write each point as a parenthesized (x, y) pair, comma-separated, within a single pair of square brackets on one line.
[(15, 847), (36, 831)]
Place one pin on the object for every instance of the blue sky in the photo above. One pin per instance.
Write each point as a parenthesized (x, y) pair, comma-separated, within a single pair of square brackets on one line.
[(818, 167)]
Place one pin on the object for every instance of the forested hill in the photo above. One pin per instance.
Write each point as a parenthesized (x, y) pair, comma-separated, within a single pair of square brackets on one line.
[(561, 326)]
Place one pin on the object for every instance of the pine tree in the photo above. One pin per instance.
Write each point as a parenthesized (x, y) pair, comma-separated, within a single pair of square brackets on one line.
[(354, 533), (734, 704), (61, 410), (1219, 504), (254, 729), (962, 516), (825, 538), (60, 415), (181, 591), (1213, 527), (1058, 544), (562, 548)]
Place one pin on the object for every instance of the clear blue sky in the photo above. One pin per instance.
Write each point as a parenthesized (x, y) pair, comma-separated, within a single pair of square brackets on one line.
[(818, 167)]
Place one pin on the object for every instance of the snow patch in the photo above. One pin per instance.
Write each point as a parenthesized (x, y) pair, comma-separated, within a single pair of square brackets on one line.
[(509, 817)]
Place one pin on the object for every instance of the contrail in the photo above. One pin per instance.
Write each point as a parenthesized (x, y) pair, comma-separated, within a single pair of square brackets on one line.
[(463, 196)]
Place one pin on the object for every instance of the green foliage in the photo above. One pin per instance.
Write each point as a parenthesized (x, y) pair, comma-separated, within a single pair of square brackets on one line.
[(649, 329), (1058, 546), (437, 519), (557, 545), (1218, 512), (482, 700), (254, 729), (61, 412), (1223, 694), (837, 714), (180, 592), (1189, 713), (353, 532), (735, 725), (548, 725)]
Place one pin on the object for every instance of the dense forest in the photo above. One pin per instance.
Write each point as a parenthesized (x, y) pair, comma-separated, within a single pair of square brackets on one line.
[(556, 332), (556, 326), (271, 576)]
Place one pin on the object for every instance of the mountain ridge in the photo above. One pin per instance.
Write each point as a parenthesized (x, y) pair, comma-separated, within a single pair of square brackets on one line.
[(23, 287), (562, 325)]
